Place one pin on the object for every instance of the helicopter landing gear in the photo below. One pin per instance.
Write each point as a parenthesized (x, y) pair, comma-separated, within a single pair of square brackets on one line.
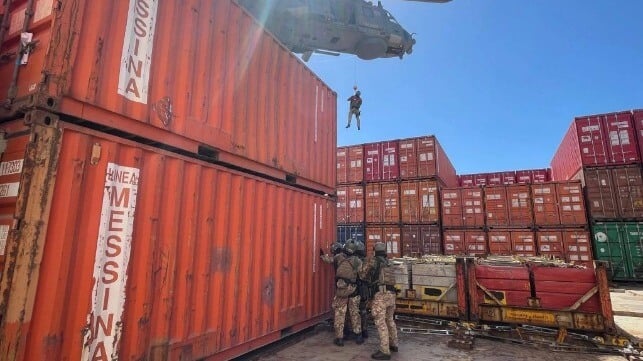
[(371, 48)]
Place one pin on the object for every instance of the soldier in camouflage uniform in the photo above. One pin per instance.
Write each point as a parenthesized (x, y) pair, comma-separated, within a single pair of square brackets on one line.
[(346, 295), (383, 304)]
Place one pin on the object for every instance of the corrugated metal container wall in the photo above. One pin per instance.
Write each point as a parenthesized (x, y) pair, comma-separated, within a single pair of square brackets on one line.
[(621, 138), (234, 88), (577, 247), (523, 243), (637, 118), (164, 267), (380, 161), (567, 158), (550, 243), (500, 242), (500, 178), (472, 207), (545, 204), (350, 204), (599, 189), (391, 202), (519, 205), (374, 207), (571, 203), (342, 204), (620, 244), (465, 180), (524, 176), (480, 179), (434, 162), (409, 158), (391, 235), (453, 242), (628, 188), (429, 207), (496, 206), (342, 165), (592, 140), (451, 206), (541, 175), (410, 202), (419, 240), (355, 164), (475, 243)]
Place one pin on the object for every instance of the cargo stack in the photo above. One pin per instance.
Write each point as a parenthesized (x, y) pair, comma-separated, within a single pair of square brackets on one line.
[(395, 199), (164, 181), (604, 152)]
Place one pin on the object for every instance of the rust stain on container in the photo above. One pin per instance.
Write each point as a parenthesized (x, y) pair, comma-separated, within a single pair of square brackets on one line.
[(209, 249), (234, 87)]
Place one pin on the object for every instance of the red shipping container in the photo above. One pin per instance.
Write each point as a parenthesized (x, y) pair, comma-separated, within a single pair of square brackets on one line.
[(500, 242), (601, 199), (451, 205), (429, 208), (390, 235), (342, 165), (381, 161), (519, 205), (523, 243), (495, 198), (433, 161), (391, 202), (550, 243), (545, 204), (561, 288), (524, 176), (475, 243), (163, 261), (628, 189), (342, 204), (571, 203), (409, 158), (374, 207), (235, 93), (419, 240), (500, 178), (355, 164), (410, 202), (472, 207), (509, 285), (578, 247), (465, 180), (621, 139), (480, 179), (453, 242), (637, 118), (355, 204), (541, 175)]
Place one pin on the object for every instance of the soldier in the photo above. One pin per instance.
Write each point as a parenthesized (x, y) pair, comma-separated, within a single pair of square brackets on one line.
[(377, 271), (346, 295), (364, 296)]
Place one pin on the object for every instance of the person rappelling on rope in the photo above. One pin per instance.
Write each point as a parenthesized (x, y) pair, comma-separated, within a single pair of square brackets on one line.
[(355, 103)]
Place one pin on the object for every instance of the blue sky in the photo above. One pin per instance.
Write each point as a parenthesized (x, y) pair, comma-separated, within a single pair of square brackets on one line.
[(497, 81)]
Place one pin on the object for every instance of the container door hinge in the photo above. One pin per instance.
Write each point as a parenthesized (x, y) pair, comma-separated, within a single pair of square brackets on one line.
[(96, 150)]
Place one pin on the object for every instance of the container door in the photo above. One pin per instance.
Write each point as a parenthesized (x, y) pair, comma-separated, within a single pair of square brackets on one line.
[(633, 244), (608, 244)]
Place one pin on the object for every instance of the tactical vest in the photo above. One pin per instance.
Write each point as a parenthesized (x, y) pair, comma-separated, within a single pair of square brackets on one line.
[(346, 278)]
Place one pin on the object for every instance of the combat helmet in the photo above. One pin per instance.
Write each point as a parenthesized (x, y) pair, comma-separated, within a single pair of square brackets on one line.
[(336, 248), (379, 247), (350, 247), (360, 249)]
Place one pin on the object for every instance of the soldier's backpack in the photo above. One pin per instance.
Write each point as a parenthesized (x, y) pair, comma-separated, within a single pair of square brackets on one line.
[(346, 277), (386, 276)]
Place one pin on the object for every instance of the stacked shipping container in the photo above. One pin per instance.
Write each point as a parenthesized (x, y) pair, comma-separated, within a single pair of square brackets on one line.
[(220, 230), (605, 153), (400, 185)]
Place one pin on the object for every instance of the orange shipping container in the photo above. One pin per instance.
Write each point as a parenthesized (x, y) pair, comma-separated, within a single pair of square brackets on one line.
[(429, 209), (500, 242), (577, 247), (349, 164), (475, 243), (382, 203), (545, 204), (451, 205), (374, 203), (433, 161), (453, 242), (472, 207), (495, 198), (408, 158), (390, 235), (519, 205), (342, 204), (124, 251), (410, 202), (550, 243), (201, 76), (350, 204), (571, 203), (523, 243)]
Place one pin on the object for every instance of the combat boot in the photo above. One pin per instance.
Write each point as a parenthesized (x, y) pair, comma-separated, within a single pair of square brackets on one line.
[(379, 355), (365, 333), (394, 348), (339, 342), (359, 339)]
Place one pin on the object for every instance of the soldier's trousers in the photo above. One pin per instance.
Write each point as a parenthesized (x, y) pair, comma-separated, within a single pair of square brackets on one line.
[(340, 305), (383, 309)]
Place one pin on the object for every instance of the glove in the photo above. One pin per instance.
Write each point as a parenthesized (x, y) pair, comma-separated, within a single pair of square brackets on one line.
[(321, 252)]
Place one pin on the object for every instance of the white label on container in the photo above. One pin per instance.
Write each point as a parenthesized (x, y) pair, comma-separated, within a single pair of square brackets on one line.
[(590, 128), (113, 248), (9, 189), (4, 234), (136, 58), (409, 192), (11, 167), (341, 154)]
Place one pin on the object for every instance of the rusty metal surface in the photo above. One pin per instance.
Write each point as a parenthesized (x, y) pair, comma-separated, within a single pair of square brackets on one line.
[(196, 71), (217, 263)]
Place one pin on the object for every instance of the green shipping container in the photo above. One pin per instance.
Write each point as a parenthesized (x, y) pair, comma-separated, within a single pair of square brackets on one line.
[(621, 244)]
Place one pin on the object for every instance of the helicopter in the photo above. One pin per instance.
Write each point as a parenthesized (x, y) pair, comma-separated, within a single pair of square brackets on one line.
[(332, 27)]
